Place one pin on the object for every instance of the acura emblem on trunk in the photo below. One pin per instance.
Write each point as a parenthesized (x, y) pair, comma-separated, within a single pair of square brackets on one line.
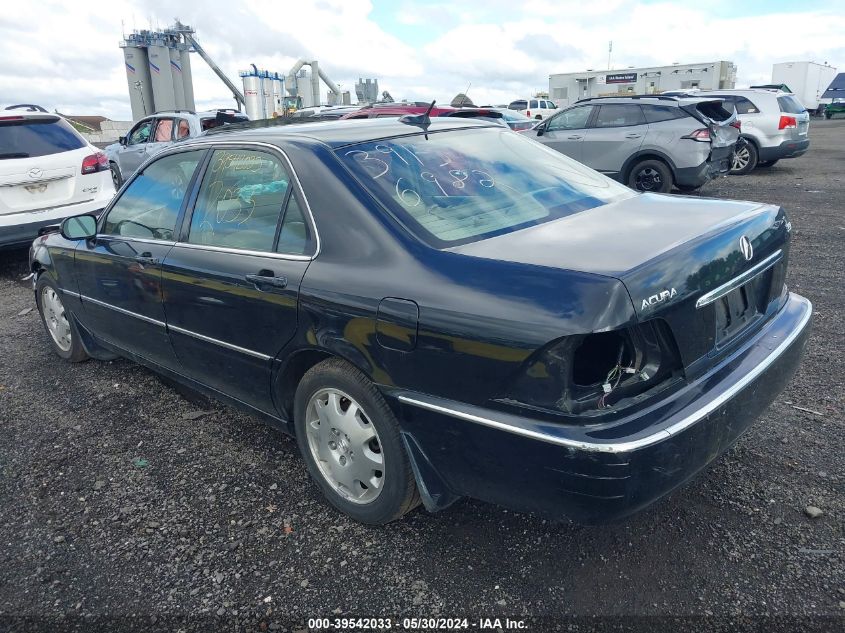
[(746, 248), (35, 172)]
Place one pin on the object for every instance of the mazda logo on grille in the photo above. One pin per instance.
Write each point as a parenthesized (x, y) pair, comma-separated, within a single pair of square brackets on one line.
[(35, 172), (746, 248)]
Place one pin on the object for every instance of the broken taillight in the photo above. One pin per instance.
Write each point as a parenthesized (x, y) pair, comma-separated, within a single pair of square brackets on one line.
[(702, 135), (787, 122), (94, 163), (737, 124)]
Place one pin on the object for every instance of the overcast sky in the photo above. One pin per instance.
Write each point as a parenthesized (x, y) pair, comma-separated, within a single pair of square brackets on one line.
[(65, 55)]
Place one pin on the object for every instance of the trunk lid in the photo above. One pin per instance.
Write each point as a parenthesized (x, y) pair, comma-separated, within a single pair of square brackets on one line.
[(669, 252)]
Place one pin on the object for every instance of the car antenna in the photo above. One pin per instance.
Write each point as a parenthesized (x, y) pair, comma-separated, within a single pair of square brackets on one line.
[(420, 120)]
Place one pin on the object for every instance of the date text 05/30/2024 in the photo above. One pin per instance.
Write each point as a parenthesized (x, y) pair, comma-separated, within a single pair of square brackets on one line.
[(414, 624)]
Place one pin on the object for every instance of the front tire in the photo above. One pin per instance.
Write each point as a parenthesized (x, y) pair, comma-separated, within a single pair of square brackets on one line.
[(61, 329), (650, 176), (351, 444), (116, 177), (745, 159)]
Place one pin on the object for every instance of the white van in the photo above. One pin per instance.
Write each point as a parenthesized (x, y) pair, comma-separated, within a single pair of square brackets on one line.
[(534, 108)]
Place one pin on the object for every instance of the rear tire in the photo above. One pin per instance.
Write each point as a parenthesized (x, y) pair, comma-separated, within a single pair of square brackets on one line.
[(745, 159), (767, 163), (350, 441), (59, 323), (651, 176)]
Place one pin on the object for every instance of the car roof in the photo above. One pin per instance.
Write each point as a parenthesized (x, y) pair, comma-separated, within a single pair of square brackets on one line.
[(334, 133)]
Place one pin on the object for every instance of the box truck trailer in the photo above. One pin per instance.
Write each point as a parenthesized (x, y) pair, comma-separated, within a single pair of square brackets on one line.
[(807, 80)]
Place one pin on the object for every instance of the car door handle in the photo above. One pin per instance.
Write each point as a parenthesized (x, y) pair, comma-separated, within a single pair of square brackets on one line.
[(148, 259), (633, 135), (575, 137), (266, 278)]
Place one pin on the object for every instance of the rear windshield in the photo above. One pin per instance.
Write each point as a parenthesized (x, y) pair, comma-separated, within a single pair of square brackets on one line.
[(37, 136), (518, 105), (791, 105), (466, 185)]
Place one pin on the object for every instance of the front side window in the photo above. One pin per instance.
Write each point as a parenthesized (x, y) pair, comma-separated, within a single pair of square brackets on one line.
[(150, 205), (461, 186), (240, 200), (141, 134), (619, 115), (574, 119)]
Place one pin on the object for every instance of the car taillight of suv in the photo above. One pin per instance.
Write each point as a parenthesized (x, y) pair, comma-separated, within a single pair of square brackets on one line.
[(94, 163)]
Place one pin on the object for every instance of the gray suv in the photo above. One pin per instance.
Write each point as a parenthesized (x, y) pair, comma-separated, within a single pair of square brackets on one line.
[(152, 134), (648, 142), (774, 126)]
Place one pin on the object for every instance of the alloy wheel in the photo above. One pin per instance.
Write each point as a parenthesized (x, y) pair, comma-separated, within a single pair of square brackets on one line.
[(741, 158), (56, 319), (345, 446)]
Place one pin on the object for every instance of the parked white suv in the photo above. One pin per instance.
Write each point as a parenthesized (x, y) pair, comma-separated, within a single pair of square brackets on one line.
[(48, 172), (774, 126), (535, 108)]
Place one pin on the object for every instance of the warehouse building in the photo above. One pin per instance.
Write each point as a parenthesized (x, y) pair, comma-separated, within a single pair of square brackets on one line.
[(567, 88)]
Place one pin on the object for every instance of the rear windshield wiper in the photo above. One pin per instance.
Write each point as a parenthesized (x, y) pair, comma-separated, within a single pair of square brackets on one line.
[(14, 155)]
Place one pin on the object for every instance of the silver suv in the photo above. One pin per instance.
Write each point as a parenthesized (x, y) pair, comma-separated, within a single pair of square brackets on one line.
[(648, 142), (152, 134), (774, 126)]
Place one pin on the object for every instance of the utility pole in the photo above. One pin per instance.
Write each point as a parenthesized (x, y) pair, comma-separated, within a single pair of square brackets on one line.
[(609, 51)]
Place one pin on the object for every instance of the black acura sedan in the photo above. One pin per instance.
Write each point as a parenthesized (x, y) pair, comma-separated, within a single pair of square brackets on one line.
[(438, 310)]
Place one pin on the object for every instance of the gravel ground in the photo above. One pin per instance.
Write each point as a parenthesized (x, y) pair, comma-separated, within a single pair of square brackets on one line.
[(122, 499)]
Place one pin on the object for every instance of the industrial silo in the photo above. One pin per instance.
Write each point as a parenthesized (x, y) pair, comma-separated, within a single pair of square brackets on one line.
[(278, 94), (267, 92), (162, 79), (187, 78), (253, 101), (178, 81), (138, 79)]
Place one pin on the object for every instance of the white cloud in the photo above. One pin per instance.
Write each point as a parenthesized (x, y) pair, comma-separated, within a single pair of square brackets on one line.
[(65, 55)]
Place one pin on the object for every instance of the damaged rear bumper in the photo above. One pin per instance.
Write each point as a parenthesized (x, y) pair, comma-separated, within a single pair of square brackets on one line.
[(603, 472)]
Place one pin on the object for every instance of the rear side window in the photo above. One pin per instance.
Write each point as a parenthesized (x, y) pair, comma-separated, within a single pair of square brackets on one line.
[(657, 113), (149, 206), (790, 105), (533, 104), (745, 106), (619, 115), (41, 136), (240, 201), (164, 131)]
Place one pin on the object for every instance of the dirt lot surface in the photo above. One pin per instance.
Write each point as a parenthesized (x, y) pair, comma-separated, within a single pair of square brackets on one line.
[(120, 498)]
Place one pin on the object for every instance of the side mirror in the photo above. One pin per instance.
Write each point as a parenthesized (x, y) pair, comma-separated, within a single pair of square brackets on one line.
[(122, 140), (79, 227), (541, 129)]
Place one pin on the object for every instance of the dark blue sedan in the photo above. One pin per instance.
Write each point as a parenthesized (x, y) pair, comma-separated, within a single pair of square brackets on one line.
[(438, 310)]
